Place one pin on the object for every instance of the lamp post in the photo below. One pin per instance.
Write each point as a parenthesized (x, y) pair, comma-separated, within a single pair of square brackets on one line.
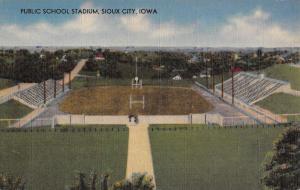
[(259, 55), (235, 57), (212, 73), (63, 82), (54, 77), (70, 85), (44, 80), (64, 74), (224, 59), (206, 69)]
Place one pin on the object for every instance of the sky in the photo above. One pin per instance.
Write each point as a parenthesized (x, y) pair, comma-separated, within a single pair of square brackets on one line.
[(201, 23)]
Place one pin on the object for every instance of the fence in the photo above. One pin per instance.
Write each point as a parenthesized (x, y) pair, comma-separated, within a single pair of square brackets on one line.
[(20, 123), (209, 119), (239, 121), (150, 119), (291, 117)]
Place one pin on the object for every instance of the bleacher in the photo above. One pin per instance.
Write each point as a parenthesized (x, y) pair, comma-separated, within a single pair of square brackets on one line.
[(250, 88), (34, 96)]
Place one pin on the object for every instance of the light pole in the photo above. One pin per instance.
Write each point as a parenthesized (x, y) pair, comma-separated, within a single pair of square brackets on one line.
[(206, 68), (212, 73), (63, 79), (63, 82), (235, 57), (70, 85), (224, 59), (44, 80), (259, 55), (54, 77)]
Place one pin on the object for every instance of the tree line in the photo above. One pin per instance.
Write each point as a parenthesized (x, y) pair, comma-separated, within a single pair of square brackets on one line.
[(83, 181), (24, 66), (166, 64)]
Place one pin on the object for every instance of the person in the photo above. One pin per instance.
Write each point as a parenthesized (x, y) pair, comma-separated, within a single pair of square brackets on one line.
[(136, 119), (129, 117)]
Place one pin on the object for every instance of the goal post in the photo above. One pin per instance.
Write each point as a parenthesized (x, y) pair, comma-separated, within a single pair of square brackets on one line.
[(136, 83), (136, 101)]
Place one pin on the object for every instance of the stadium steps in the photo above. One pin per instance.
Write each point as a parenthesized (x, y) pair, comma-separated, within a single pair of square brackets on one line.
[(34, 96), (250, 88)]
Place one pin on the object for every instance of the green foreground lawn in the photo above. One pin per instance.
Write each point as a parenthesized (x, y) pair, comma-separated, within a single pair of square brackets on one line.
[(49, 159), (210, 158), (282, 104), (285, 72)]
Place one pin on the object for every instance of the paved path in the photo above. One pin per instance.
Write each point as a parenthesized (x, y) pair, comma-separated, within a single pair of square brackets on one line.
[(28, 118), (139, 151), (74, 72)]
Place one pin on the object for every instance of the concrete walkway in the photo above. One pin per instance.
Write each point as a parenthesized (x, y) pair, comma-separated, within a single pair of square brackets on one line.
[(139, 151), (74, 72)]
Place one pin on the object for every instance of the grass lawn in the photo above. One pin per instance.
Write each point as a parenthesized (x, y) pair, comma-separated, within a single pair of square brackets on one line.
[(88, 73), (282, 104), (210, 158), (12, 110), (6, 83), (114, 100), (49, 160), (285, 72)]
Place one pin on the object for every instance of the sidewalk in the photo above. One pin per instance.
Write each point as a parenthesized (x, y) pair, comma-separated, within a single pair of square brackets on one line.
[(74, 72), (139, 151)]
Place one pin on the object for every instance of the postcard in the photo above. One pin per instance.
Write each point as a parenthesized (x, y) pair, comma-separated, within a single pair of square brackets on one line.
[(149, 95)]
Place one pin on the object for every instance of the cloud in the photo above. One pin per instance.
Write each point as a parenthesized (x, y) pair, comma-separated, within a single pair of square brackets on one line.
[(94, 30), (142, 23), (242, 30), (167, 30), (85, 23), (256, 29), (136, 23)]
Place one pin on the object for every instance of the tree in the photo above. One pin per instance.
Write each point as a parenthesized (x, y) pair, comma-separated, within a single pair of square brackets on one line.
[(104, 182), (138, 182), (282, 166), (82, 183), (91, 65), (24, 66)]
